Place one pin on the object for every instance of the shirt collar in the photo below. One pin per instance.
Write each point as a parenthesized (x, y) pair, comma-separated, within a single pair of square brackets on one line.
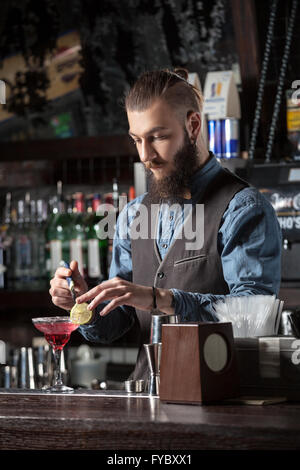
[(203, 176)]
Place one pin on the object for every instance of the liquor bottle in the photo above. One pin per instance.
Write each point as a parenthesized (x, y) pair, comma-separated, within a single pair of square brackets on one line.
[(78, 242), (3, 264), (97, 243), (51, 203), (23, 247), (40, 246), (89, 207), (131, 193), (115, 195), (32, 230), (8, 240), (58, 232)]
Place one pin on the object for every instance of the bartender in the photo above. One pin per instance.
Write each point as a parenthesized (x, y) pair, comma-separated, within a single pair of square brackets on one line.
[(240, 253)]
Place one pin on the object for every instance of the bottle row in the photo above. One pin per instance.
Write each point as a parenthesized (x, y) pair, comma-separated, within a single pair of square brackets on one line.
[(38, 234)]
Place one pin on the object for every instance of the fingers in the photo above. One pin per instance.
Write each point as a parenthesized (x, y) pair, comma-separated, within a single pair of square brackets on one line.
[(92, 293), (63, 273), (80, 284), (89, 294), (115, 303), (60, 293), (75, 271), (107, 294), (64, 303), (59, 290), (59, 282)]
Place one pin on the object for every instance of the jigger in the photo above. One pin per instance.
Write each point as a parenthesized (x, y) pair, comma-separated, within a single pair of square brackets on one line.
[(153, 353)]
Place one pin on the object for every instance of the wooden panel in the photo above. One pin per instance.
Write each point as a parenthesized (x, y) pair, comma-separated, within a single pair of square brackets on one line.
[(63, 149), (291, 297), (247, 43)]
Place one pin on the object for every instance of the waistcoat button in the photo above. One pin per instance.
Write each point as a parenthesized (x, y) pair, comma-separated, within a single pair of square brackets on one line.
[(161, 275)]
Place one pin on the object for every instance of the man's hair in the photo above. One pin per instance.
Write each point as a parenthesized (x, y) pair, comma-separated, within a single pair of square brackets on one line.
[(173, 87)]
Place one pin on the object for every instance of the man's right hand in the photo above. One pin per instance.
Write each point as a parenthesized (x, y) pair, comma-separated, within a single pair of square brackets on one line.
[(60, 292)]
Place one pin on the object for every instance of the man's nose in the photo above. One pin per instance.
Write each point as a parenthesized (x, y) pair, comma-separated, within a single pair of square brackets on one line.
[(147, 152)]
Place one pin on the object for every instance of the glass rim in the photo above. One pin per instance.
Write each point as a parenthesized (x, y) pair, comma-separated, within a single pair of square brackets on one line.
[(56, 319)]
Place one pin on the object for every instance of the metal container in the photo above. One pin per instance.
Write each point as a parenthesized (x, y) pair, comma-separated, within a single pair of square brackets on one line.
[(294, 318), (156, 324), (215, 136), (23, 369), (2, 352), (230, 138), (8, 376), (285, 326), (26, 369), (153, 353), (134, 386)]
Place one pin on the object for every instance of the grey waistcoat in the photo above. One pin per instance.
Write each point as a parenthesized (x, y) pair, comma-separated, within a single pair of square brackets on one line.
[(189, 270)]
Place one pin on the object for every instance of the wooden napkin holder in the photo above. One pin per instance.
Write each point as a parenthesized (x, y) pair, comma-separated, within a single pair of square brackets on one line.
[(198, 363)]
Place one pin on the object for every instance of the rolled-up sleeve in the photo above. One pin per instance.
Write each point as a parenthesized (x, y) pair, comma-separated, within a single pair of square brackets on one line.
[(249, 243)]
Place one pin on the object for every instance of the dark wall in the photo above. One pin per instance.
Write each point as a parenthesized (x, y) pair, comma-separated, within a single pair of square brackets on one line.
[(121, 39)]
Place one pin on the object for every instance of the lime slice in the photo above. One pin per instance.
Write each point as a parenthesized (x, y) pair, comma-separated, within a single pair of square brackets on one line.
[(80, 314)]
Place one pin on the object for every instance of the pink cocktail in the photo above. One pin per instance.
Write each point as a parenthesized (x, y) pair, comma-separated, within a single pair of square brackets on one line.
[(57, 331)]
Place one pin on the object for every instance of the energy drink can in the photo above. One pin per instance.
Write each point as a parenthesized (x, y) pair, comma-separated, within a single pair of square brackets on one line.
[(215, 137), (230, 138)]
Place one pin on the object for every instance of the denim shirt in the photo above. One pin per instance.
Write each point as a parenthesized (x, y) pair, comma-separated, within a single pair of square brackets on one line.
[(249, 244)]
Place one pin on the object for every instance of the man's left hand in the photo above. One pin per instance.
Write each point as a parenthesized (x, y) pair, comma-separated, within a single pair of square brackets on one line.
[(119, 292)]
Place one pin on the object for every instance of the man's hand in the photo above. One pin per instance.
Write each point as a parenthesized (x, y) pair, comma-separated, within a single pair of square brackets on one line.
[(60, 292), (121, 292)]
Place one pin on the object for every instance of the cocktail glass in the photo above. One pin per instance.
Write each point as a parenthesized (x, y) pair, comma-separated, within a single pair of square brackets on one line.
[(57, 331)]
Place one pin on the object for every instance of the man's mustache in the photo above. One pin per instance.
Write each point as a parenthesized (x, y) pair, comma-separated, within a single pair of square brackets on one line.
[(152, 164)]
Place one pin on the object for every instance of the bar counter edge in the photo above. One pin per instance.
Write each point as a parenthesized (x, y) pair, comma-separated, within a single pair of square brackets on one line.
[(114, 420)]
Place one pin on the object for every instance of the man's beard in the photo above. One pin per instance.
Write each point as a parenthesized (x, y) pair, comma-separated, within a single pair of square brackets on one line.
[(171, 188)]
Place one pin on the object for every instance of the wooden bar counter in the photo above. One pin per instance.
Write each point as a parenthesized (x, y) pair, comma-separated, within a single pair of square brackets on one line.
[(110, 420)]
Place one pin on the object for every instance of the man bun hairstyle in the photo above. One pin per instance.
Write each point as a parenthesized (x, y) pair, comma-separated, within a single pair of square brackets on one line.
[(172, 86)]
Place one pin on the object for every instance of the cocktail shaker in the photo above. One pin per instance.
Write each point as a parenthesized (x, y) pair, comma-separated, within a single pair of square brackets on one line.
[(156, 325)]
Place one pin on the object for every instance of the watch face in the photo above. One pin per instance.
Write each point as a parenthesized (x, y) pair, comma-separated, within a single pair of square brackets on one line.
[(215, 351)]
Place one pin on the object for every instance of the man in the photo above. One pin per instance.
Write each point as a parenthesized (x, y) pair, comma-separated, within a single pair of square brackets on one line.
[(241, 249)]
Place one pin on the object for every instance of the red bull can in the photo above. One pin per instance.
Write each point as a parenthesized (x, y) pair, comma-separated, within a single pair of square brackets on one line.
[(230, 138), (215, 137)]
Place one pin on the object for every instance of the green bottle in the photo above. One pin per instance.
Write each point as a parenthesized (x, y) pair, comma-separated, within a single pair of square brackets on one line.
[(58, 232), (41, 244), (97, 243), (78, 244)]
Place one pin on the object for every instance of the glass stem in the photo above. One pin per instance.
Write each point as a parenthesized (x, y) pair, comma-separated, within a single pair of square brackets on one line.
[(57, 369)]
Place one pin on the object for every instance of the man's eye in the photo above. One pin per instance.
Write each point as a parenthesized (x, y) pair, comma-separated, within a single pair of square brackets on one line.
[(159, 137)]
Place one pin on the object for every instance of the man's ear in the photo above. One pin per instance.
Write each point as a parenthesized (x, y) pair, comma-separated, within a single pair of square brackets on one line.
[(193, 124)]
